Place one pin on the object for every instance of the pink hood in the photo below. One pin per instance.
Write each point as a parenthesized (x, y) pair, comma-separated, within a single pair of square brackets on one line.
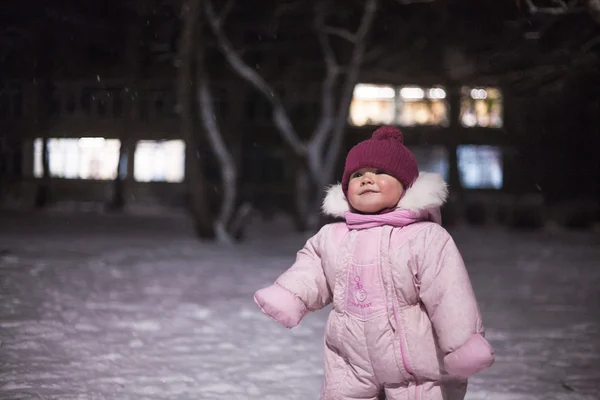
[(427, 194)]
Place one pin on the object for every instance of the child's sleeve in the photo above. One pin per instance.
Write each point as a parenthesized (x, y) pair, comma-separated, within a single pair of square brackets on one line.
[(300, 289), (446, 292)]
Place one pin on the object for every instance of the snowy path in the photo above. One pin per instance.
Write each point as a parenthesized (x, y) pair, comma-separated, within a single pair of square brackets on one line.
[(129, 308)]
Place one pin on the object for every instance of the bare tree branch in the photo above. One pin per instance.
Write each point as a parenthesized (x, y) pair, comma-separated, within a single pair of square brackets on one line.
[(406, 2), (561, 8), (226, 10), (280, 11), (591, 43), (280, 116), (537, 75), (323, 129), (320, 152), (594, 9), (285, 8), (226, 161), (374, 54), (348, 88), (340, 32)]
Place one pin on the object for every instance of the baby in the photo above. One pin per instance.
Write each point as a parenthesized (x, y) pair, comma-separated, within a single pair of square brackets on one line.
[(405, 319)]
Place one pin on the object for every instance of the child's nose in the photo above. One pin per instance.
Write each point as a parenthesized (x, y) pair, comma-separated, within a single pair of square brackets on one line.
[(367, 178)]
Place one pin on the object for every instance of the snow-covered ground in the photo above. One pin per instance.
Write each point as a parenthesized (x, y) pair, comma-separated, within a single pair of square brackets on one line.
[(107, 307)]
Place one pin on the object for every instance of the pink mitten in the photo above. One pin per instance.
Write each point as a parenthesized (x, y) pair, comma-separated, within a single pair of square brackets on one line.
[(472, 357), (281, 305)]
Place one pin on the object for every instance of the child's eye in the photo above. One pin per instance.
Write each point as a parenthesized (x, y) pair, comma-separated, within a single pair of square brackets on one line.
[(356, 175), (380, 171)]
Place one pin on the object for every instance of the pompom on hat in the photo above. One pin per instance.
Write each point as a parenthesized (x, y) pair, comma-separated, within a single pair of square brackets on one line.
[(385, 150)]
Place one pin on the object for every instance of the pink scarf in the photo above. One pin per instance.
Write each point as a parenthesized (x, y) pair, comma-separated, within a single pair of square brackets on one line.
[(396, 218)]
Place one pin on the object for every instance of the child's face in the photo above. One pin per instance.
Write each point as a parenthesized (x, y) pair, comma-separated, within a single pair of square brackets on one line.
[(371, 190)]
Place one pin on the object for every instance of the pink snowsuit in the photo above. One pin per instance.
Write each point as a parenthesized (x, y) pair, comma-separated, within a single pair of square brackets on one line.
[(404, 318)]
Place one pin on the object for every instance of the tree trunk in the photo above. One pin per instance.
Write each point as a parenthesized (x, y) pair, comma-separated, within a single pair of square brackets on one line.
[(44, 97), (42, 194), (118, 196), (197, 193), (456, 205), (45, 68), (303, 205), (132, 64)]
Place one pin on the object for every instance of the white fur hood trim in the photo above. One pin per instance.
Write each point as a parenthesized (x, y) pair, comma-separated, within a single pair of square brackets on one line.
[(428, 191)]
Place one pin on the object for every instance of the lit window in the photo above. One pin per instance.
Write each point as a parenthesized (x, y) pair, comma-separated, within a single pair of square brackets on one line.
[(432, 159), (372, 105), (159, 161), (405, 106), (480, 167), (78, 158), (481, 106), (422, 106)]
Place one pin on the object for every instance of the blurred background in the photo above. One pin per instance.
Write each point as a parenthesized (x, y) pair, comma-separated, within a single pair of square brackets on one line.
[(239, 109)]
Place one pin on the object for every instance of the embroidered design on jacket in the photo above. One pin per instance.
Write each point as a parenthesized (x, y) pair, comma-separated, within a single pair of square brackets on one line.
[(360, 294)]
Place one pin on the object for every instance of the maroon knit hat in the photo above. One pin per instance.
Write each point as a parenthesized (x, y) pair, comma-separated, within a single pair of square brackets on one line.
[(384, 150)]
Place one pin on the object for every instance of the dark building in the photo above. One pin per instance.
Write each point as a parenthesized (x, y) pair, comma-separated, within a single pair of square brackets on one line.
[(116, 116)]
